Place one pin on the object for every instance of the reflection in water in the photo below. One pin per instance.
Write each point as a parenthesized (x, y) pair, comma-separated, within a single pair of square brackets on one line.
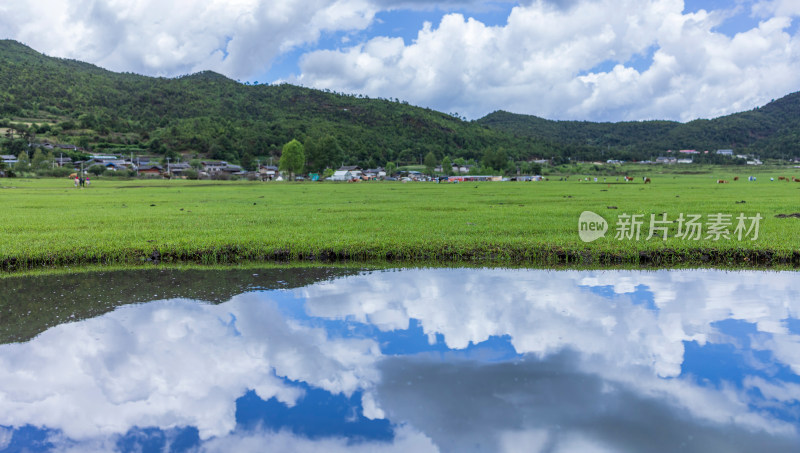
[(425, 360)]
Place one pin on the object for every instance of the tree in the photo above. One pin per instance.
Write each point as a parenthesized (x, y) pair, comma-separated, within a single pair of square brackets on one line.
[(248, 162), (390, 168), (447, 166), (495, 159), (39, 160), (96, 170), (23, 163), (293, 158), (322, 153), (430, 162)]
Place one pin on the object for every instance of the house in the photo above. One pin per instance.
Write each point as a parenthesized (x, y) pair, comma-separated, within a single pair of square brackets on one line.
[(725, 152), (666, 160), (347, 173), (268, 172), (373, 173), (9, 159), (685, 161), (689, 151), (231, 169), (63, 161), (154, 170), (213, 166), (178, 169)]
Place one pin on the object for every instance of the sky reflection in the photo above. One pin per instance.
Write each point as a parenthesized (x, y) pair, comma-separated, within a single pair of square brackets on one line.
[(425, 360)]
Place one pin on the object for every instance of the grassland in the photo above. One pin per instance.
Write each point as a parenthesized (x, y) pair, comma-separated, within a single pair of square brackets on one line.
[(49, 223)]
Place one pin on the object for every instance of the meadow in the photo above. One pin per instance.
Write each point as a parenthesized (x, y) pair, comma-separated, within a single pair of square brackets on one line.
[(49, 223)]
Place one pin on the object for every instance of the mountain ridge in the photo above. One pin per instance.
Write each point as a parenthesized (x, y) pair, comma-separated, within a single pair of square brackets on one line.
[(206, 114)]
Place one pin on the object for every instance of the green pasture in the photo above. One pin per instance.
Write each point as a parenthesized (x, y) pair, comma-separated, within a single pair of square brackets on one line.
[(48, 222)]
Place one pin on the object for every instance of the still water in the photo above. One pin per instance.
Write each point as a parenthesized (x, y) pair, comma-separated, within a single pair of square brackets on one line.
[(404, 360)]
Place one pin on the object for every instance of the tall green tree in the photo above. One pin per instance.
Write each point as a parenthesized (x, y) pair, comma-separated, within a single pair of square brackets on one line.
[(447, 166), (495, 159), (293, 158), (390, 168), (430, 162), (323, 153), (23, 163), (39, 160)]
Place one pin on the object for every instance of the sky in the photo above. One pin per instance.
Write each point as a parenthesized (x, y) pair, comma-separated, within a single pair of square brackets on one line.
[(594, 60)]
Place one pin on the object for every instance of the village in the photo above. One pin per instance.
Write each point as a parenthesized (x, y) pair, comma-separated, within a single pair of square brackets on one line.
[(160, 167)]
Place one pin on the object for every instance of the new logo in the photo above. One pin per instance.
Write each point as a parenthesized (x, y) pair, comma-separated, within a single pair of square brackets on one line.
[(591, 226)]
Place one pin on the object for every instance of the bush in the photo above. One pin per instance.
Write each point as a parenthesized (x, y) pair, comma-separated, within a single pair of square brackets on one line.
[(97, 170)]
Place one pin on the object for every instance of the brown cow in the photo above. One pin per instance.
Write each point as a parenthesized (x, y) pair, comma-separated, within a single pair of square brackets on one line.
[(735, 178), (781, 178), (647, 180), (722, 181)]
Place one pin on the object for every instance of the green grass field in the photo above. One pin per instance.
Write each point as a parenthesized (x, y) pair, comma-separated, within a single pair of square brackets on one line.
[(48, 222)]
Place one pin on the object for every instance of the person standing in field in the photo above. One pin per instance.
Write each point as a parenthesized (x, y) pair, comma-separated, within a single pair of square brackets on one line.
[(87, 181), (76, 182)]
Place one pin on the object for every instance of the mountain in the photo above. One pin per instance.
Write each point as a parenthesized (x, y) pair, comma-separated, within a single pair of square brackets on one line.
[(208, 115), (770, 131)]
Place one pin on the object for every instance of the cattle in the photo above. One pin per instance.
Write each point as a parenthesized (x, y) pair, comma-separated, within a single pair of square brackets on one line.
[(735, 178), (628, 178), (647, 180), (722, 181), (781, 178)]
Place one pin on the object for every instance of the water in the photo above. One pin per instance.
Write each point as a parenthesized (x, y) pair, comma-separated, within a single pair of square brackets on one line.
[(409, 360)]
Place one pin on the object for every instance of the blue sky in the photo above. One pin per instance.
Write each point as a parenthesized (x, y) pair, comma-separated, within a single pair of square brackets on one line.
[(600, 60)]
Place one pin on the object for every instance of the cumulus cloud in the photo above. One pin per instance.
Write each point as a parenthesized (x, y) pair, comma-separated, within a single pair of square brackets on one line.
[(560, 59), (545, 313), (601, 352), (543, 61), (238, 38), (172, 364), (550, 406)]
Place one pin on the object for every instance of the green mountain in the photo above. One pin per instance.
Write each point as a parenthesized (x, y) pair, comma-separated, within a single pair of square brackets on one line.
[(769, 131), (210, 116), (215, 117)]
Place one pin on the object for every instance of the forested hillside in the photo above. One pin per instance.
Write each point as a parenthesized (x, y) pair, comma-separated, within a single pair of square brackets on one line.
[(769, 131), (208, 115)]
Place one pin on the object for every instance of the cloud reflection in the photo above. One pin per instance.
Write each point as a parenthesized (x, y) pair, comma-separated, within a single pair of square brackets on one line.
[(599, 364)]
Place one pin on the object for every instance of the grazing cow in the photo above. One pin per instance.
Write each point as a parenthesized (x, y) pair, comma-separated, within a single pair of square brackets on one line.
[(647, 180), (781, 178), (735, 178), (722, 181), (628, 178)]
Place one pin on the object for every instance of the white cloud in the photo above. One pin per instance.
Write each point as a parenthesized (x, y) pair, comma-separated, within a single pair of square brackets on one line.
[(239, 38), (406, 439), (589, 359), (171, 364), (542, 62), (542, 313)]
